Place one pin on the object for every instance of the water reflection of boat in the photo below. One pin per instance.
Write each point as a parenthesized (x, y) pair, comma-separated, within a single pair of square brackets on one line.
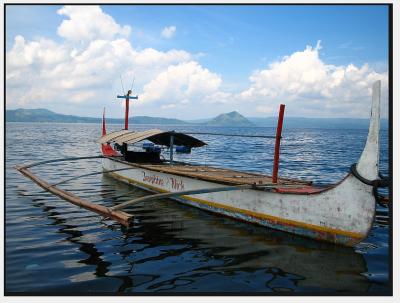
[(310, 265)]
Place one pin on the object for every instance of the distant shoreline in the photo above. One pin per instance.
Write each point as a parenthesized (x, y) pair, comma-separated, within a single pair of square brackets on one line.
[(232, 119), (383, 128)]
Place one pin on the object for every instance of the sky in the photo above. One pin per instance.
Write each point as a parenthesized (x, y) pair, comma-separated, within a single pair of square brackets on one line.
[(197, 61)]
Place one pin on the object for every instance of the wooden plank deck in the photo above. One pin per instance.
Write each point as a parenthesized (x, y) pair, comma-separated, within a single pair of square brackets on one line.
[(223, 175)]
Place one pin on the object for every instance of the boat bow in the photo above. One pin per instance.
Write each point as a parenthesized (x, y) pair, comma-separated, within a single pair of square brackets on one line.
[(368, 164)]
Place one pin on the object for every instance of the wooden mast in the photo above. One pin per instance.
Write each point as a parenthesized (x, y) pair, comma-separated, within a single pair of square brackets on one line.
[(278, 143), (127, 109)]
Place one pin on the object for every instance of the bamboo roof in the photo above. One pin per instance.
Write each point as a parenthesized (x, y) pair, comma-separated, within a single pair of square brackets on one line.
[(156, 136), (111, 136)]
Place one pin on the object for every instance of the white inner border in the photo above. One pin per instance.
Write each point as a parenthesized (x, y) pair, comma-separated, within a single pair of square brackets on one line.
[(175, 299)]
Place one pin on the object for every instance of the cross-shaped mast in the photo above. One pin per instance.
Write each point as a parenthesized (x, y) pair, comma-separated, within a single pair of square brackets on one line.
[(127, 97)]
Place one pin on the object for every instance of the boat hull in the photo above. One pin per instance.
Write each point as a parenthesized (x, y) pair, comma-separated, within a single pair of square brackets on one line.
[(343, 214)]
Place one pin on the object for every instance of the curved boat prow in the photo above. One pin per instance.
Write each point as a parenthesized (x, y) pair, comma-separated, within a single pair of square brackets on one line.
[(106, 149), (368, 164)]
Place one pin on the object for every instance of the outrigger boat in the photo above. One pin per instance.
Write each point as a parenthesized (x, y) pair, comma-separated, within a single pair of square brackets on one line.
[(342, 213)]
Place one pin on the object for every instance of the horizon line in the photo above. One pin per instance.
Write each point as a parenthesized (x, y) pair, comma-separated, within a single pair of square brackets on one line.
[(248, 117)]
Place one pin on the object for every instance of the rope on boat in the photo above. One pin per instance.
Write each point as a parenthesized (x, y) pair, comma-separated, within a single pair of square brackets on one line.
[(382, 182), (230, 135)]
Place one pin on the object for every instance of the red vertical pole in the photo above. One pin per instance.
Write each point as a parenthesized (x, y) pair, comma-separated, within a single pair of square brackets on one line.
[(104, 122), (278, 143), (126, 111)]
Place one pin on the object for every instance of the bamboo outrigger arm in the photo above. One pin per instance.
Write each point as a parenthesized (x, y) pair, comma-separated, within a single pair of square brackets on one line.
[(107, 212), (270, 186), (121, 217)]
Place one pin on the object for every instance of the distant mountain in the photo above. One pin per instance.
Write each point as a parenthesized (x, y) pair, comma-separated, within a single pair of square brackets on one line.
[(45, 115), (229, 119)]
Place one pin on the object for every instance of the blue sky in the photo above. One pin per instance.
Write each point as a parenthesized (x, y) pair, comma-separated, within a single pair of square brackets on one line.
[(233, 48)]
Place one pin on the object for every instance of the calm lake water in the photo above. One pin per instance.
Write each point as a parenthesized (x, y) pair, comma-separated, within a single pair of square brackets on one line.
[(55, 247)]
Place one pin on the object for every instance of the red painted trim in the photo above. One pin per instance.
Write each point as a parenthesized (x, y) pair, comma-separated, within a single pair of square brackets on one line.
[(301, 190), (107, 150), (278, 143)]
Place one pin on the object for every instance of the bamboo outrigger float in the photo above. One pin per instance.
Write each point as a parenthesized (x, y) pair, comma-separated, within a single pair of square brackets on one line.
[(342, 213)]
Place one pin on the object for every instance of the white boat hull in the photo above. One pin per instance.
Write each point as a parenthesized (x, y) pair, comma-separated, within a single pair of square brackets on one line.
[(343, 214)]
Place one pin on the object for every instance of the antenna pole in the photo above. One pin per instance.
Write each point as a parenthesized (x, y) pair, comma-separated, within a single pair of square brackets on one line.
[(122, 84)]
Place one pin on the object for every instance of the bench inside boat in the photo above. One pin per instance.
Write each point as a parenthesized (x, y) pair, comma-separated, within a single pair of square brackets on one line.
[(227, 176), (222, 175)]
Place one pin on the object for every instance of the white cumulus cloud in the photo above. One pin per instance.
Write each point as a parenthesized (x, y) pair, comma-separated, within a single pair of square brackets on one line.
[(168, 32), (86, 23), (311, 87), (182, 83), (45, 73)]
